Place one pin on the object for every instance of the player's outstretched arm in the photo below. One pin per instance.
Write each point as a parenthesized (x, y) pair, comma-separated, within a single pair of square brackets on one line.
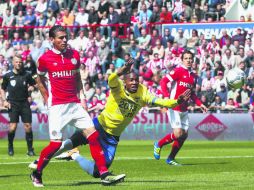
[(171, 103)]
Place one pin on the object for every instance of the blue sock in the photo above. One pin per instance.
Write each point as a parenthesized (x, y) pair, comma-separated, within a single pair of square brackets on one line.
[(85, 164)]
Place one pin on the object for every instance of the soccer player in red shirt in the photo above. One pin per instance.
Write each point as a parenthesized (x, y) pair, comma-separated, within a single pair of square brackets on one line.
[(181, 78), (62, 68)]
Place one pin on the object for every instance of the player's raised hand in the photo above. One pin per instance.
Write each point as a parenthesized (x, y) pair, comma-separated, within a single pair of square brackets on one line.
[(184, 96), (130, 62)]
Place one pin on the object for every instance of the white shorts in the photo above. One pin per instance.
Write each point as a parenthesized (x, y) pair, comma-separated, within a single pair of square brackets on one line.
[(64, 114), (178, 119)]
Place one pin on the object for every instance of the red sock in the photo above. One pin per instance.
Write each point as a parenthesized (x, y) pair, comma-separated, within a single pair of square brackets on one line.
[(46, 154), (97, 152), (176, 146), (169, 138)]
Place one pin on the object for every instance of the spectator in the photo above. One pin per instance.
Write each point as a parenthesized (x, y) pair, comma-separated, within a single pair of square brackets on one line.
[(111, 69), (104, 21), (115, 44), (82, 19), (92, 63), (158, 49), (103, 7), (103, 53), (88, 91), (68, 18), (223, 93), (167, 37), (99, 92), (101, 83), (113, 18), (239, 36), (165, 15), (218, 105), (144, 17), (117, 61), (209, 93), (41, 6), (243, 99), (178, 10), (37, 50), (180, 39), (8, 20), (134, 51), (124, 18), (193, 40), (92, 3), (144, 42), (240, 57), (219, 80), (228, 61), (231, 105), (207, 81), (249, 58), (224, 38), (18, 6), (228, 45), (40, 22), (93, 47)]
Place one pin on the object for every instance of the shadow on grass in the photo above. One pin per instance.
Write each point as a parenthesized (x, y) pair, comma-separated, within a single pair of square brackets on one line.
[(197, 164), (15, 175), (75, 184)]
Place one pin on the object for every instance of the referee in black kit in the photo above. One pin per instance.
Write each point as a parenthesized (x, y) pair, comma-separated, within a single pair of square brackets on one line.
[(16, 85)]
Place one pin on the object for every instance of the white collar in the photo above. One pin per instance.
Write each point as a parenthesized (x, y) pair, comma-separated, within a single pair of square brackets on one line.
[(57, 51)]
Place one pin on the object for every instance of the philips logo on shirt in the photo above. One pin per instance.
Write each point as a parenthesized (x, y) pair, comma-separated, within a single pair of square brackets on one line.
[(185, 84), (64, 73)]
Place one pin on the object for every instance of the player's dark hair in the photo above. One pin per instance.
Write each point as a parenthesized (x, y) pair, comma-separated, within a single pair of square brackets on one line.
[(187, 52), (55, 29), (135, 72)]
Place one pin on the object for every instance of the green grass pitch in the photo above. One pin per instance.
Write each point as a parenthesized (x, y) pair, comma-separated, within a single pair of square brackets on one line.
[(207, 165)]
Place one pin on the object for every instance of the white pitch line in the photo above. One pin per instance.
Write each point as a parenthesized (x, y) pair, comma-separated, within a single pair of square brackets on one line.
[(143, 158)]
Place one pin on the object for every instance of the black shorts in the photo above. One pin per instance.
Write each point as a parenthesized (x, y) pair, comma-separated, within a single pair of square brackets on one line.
[(20, 109)]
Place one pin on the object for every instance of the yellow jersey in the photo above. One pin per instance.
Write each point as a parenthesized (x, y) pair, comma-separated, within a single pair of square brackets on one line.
[(122, 106)]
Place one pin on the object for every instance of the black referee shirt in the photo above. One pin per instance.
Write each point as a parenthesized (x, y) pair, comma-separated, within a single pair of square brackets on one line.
[(16, 85)]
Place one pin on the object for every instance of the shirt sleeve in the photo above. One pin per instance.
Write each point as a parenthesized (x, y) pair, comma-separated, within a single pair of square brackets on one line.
[(196, 99), (42, 66), (156, 101), (113, 81), (164, 87), (173, 75), (5, 82)]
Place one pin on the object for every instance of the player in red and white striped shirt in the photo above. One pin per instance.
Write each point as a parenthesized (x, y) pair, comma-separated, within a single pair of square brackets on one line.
[(181, 78)]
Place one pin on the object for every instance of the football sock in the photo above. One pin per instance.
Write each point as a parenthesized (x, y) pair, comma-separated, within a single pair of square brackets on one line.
[(169, 138), (78, 139), (66, 145), (176, 146), (11, 135), (85, 164), (46, 154), (29, 140), (97, 152)]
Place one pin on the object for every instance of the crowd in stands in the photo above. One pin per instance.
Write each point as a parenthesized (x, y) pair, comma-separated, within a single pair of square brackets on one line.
[(94, 31)]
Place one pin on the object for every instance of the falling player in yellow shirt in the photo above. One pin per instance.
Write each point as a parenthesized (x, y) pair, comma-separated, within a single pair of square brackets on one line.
[(126, 98)]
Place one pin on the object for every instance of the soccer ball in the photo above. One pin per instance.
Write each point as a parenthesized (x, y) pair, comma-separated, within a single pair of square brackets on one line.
[(235, 78)]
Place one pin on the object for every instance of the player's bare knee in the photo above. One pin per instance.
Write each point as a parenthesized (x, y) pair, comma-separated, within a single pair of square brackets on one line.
[(27, 127), (178, 133), (88, 131), (12, 127)]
